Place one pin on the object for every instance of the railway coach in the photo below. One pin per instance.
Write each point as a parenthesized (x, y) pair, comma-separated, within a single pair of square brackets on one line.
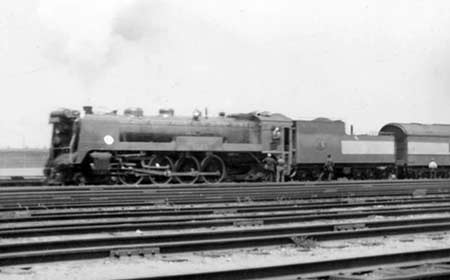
[(416, 145)]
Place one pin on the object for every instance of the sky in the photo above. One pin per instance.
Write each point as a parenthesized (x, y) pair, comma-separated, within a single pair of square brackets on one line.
[(365, 62)]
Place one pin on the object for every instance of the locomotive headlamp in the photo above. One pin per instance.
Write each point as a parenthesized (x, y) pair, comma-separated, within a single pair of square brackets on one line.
[(109, 140)]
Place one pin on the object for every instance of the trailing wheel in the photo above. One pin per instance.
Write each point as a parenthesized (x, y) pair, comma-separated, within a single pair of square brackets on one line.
[(159, 163), (189, 165), (213, 164)]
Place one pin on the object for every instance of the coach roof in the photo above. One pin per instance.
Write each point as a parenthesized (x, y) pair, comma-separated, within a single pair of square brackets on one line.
[(417, 129)]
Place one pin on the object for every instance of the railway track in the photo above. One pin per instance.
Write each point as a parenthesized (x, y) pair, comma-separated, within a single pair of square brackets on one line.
[(126, 221), (13, 181), (103, 221), (70, 197), (333, 269), (169, 210), (101, 247)]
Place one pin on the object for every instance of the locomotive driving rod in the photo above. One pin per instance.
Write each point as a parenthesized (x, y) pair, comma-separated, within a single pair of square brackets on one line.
[(172, 173)]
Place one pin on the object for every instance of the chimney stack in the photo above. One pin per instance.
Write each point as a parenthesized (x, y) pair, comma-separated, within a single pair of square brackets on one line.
[(88, 110)]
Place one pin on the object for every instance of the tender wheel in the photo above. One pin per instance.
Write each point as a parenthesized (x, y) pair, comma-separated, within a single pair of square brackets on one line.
[(187, 164), (213, 163), (158, 162), (127, 177), (79, 179)]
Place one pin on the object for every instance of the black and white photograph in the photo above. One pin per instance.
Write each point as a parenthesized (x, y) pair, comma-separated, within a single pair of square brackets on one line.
[(213, 139)]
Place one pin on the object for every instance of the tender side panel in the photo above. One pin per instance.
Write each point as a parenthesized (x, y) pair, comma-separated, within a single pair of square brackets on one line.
[(319, 138), (314, 148), (367, 147)]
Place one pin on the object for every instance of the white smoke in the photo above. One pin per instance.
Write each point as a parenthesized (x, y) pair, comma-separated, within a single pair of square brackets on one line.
[(87, 36)]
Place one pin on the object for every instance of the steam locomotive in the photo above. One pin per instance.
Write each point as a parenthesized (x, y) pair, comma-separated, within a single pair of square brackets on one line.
[(131, 148)]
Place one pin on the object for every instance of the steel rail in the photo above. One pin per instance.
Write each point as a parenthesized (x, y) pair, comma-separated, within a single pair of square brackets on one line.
[(241, 208), (99, 206), (427, 208), (218, 210), (180, 197), (102, 206), (343, 212), (303, 270), (424, 270), (117, 194), (66, 200), (242, 184), (91, 228), (227, 186), (14, 181), (191, 222), (20, 253), (233, 185), (220, 234)]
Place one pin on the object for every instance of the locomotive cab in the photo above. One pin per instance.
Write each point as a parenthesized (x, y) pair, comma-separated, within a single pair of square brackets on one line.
[(63, 141)]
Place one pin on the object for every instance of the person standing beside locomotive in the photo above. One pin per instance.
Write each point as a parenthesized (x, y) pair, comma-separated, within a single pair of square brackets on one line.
[(328, 169), (432, 166), (269, 166), (281, 167)]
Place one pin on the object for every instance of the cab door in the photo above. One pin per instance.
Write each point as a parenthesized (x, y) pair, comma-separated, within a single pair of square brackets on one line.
[(279, 141), (288, 147)]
